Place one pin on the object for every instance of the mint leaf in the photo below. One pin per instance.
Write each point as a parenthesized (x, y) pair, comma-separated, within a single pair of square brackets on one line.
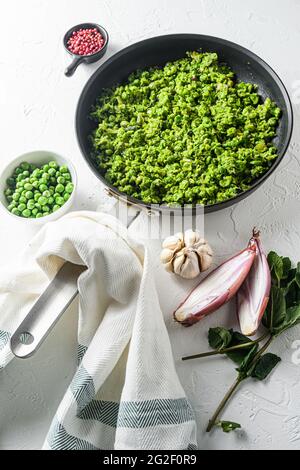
[(246, 362), (238, 355), (276, 266), (292, 318), (264, 366), (229, 426), (219, 338), (276, 309)]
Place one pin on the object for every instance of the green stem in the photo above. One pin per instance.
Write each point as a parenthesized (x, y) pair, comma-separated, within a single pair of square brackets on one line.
[(225, 350), (223, 403), (240, 378)]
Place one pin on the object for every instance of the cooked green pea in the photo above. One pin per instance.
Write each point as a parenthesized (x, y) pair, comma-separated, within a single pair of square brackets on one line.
[(59, 188), (45, 208), (43, 187), (38, 206), (15, 211), (52, 171), (69, 188), (28, 186), (56, 207), (46, 193), (67, 176), (61, 180), (23, 200), (42, 201), (16, 196), (18, 171), (46, 168), (31, 204), (67, 196), (10, 182), (59, 200), (63, 169), (11, 206), (34, 212), (8, 192), (25, 166), (39, 214), (29, 194), (37, 195), (26, 213), (21, 207), (52, 164)]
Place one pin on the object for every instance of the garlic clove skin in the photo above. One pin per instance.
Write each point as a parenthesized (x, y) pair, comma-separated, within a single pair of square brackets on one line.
[(187, 265), (191, 237), (174, 242), (166, 255), (186, 254)]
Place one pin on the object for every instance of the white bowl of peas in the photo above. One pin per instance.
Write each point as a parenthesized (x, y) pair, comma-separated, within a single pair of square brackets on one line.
[(38, 186)]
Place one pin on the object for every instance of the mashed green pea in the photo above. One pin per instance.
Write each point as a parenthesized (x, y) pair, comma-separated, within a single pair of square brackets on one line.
[(184, 133)]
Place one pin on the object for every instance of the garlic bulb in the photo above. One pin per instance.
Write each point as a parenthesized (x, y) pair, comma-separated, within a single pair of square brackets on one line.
[(186, 254)]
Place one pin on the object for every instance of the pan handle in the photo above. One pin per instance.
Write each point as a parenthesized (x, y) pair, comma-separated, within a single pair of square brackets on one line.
[(46, 311), (73, 66)]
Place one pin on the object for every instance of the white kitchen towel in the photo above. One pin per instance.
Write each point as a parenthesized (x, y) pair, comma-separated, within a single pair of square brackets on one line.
[(126, 393)]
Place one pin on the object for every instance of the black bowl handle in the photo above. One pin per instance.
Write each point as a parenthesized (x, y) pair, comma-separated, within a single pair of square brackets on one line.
[(73, 66)]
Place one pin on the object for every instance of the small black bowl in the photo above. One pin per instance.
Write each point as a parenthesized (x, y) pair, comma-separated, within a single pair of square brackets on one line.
[(89, 59)]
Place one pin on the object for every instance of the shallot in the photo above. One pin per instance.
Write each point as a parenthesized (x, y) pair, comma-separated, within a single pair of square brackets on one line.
[(217, 288), (253, 296)]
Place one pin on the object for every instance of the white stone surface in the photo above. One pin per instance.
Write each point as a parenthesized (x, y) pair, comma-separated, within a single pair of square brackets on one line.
[(37, 112)]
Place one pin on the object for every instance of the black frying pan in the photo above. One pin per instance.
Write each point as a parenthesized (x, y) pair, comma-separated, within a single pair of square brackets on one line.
[(159, 50)]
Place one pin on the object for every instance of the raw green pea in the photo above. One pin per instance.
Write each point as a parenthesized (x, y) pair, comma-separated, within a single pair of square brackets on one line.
[(25, 174), (46, 193), (67, 176), (29, 195), (35, 184), (30, 204), (38, 206), (52, 171), (37, 195), (18, 171), (9, 198), (16, 196), (8, 192), (59, 200), (67, 196), (10, 182), (43, 187), (51, 190), (11, 205), (46, 176), (53, 164), (61, 180), (53, 180), (46, 168), (36, 172), (26, 180), (34, 212), (15, 211), (50, 200), (64, 169), (39, 214), (25, 166), (42, 201), (55, 207), (21, 207), (46, 213), (59, 188), (43, 181), (32, 167), (28, 186), (22, 200), (46, 208), (26, 213), (69, 188)]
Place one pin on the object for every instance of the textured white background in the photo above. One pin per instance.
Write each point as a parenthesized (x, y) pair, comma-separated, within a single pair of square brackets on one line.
[(37, 106)]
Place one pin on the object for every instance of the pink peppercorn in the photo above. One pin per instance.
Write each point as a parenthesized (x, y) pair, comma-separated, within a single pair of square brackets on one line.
[(85, 41)]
